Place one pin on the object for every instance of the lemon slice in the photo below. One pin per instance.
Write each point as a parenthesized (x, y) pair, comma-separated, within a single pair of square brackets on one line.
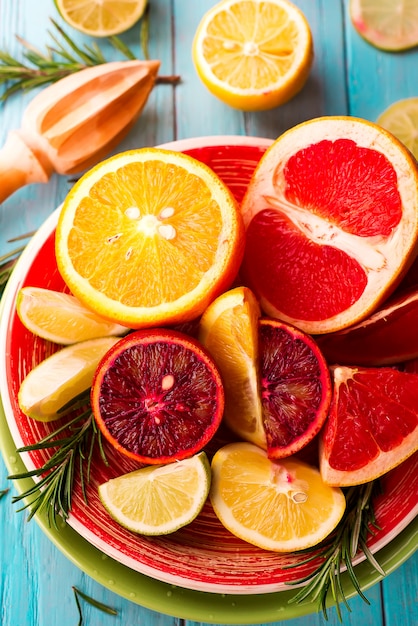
[(229, 330), (60, 317), (401, 119), (280, 506), (158, 500), (101, 18), (253, 55), (386, 24), (57, 380)]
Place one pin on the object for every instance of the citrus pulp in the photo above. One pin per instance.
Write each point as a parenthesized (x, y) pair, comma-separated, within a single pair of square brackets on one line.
[(60, 317), (229, 330), (276, 505), (295, 387), (401, 119), (101, 18), (253, 55), (158, 500), (157, 396), (48, 388), (372, 424), (386, 24), (332, 222), (148, 238)]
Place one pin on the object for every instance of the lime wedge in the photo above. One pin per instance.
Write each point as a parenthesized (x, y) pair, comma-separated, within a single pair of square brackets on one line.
[(60, 317), (157, 500), (60, 378), (401, 119)]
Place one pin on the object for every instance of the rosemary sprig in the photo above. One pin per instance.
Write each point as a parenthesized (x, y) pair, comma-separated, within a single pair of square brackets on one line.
[(98, 605), (61, 58), (3, 493), (350, 536), (74, 444)]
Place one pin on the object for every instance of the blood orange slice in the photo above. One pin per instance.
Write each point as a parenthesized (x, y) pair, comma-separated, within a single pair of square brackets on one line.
[(295, 387), (157, 396), (332, 222), (372, 425)]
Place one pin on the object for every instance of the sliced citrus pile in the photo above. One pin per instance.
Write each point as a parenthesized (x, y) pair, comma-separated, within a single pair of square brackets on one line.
[(295, 387), (253, 55), (332, 222), (149, 237), (158, 500), (60, 317), (386, 24), (282, 506), (54, 382), (101, 18), (372, 426), (401, 119), (229, 330), (157, 396)]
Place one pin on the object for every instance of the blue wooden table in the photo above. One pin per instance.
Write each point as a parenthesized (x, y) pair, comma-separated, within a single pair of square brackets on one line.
[(348, 77)]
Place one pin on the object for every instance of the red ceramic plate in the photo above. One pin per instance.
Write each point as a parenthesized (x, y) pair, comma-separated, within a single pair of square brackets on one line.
[(203, 555)]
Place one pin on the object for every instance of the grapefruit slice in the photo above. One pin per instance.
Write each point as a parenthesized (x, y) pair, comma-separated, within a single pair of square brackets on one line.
[(331, 214), (372, 425), (387, 337), (157, 396)]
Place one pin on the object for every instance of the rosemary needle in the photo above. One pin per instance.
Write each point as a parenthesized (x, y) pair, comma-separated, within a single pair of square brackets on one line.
[(62, 58), (74, 445), (350, 536), (98, 605)]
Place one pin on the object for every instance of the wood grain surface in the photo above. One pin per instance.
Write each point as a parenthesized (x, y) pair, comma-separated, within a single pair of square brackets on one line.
[(348, 77)]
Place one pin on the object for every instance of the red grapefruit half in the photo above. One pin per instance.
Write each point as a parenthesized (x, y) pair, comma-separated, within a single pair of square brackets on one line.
[(158, 396), (372, 425), (331, 214)]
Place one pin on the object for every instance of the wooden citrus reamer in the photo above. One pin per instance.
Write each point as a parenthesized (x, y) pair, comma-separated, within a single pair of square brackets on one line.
[(74, 123)]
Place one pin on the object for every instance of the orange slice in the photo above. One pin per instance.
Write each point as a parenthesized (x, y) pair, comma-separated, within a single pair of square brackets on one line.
[(149, 237), (281, 506), (253, 55), (229, 331), (332, 222), (372, 425)]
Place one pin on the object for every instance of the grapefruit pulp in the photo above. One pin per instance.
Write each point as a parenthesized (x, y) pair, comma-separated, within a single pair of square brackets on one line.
[(372, 424), (157, 396), (331, 214)]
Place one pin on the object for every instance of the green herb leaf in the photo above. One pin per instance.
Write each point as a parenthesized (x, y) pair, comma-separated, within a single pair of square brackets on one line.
[(3, 492), (98, 605), (52, 492), (339, 549)]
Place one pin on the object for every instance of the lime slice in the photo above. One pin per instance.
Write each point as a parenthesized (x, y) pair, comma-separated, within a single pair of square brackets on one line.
[(101, 18), (386, 24), (60, 317), (57, 380), (157, 500), (401, 119)]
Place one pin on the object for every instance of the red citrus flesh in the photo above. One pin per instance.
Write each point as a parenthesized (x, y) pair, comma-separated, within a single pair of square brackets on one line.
[(387, 337), (157, 396), (295, 387), (332, 223), (372, 425)]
